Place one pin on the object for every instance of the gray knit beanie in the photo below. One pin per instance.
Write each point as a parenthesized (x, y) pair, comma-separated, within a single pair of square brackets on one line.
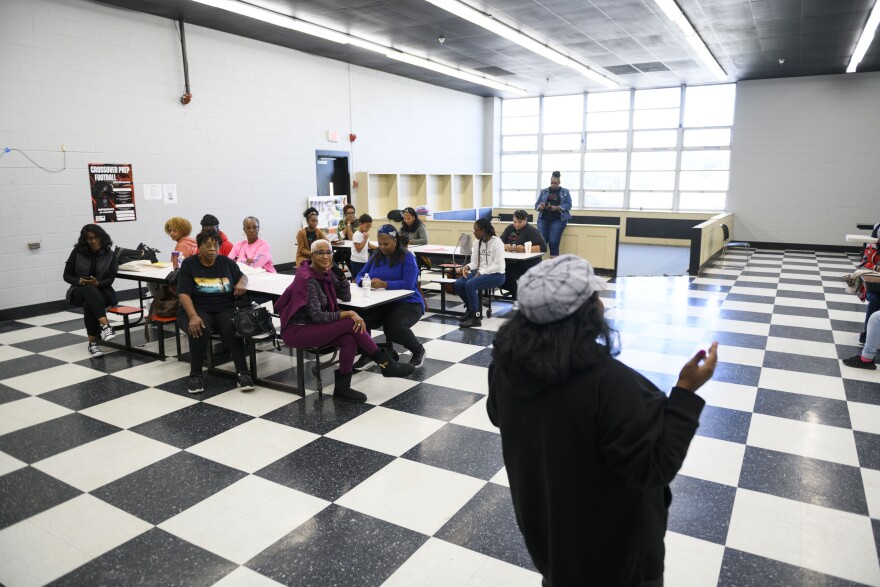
[(555, 289)]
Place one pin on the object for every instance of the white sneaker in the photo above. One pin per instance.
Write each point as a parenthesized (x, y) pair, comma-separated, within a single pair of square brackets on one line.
[(107, 333), (95, 350), (515, 306)]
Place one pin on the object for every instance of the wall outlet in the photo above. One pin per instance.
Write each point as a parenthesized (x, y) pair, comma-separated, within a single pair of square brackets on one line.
[(33, 246)]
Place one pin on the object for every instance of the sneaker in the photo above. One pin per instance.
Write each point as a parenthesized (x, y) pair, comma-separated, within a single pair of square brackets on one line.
[(862, 338), (196, 384), (362, 363), (858, 363), (471, 322), (467, 316), (107, 333), (95, 350), (418, 358), (245, 383), (515, 306)]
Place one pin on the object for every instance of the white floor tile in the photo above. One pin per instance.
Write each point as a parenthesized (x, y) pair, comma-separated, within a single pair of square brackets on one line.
[(806, 439), (412, 495), (649, 361), (390, 431), (847, 338), (864, 417), (673, 332), (822, 539), (441, 564), (801, 303), (47, 319), (740, 355), (446, 350), (846, 316), (501, 477), (860, 374), (427, 329), (753, 291), (794, 346), (26, 412), (841, 297), (729, 395), (714, 460), (464, 377), (53, 543), (691, 562), (75, 352), (105, 460), (806, 383), (783, 287), (747, 307), (253, 445), (629, 315), (9, 464), (476, 417), (155, 373), (53, 378), (261, 400), (871, 481), (245, 518), (26, 334), (379, 389), (800, 321), (139, 407), (7, 353), (741, 327), (244, 577)]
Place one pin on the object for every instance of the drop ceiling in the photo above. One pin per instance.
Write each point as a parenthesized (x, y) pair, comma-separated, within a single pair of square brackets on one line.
[(632, 39)]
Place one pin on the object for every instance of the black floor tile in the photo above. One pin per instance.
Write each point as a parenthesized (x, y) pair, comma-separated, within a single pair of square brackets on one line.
[(806, 408), (115, 361), (812, 334), (801, 295), (481, 358), (325, 468), (473, 336), (317, 415), (166, 488), (428, 369), (433, 401), (742, 569), (48, 343), (847, 326), (24, 365), (153, 558), (755, 284), (749, 341), (80, 396), (812, 481), (7, 394), (12, 326), (701, 509), (865, 392), (795, 281), (191, 425), (41, 441), (339, 547), (68, 325), (801, 363), (215, 384), (27, 492), (487, 524), (868, 449), (664, 381), (725, 424), (738, 297), (461, 449), (736, 373), (708, 287), (854, 306), (803, 312)]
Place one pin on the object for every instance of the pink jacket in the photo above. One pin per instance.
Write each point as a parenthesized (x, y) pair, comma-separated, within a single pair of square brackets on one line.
[(260, 252)]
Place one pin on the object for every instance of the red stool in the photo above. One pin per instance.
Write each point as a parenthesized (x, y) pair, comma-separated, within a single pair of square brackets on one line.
[(160, 325), (126, 312)]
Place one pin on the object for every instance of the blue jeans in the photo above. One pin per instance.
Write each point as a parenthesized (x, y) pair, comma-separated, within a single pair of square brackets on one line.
[(872, 341), (468, 288), (873, 299), (552, 233)]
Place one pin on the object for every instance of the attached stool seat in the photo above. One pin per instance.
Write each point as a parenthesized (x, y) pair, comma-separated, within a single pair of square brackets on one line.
[(126, 312)]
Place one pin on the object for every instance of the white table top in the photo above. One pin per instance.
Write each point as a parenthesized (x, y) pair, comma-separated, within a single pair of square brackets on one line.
[(859, 238), (449, 250), (350, 244)]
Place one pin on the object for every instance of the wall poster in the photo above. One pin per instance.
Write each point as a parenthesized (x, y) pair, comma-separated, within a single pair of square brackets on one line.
[(329, 212), (112, 189)]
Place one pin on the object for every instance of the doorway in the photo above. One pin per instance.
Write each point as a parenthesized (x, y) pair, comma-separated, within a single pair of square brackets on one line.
[(332, 174)]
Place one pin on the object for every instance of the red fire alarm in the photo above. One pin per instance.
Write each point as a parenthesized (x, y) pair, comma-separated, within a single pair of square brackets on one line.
[(352, 137)]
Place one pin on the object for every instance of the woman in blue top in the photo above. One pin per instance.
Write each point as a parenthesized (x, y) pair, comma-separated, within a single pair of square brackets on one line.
[(554, 212), (392, 266)]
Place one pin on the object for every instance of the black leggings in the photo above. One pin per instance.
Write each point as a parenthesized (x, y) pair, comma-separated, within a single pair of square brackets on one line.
[(221, 322), (94, 302), (396, 320)]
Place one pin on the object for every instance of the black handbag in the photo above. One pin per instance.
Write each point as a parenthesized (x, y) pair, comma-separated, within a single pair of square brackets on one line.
[(141, 253), (254, 320)]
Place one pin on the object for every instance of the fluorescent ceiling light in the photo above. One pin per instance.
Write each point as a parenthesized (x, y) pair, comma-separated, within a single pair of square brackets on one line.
[(302, 26), (865, 40), (671, 10), (490, 24)]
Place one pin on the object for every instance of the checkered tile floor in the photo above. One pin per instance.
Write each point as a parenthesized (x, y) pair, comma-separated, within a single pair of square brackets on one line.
[(110, 473)]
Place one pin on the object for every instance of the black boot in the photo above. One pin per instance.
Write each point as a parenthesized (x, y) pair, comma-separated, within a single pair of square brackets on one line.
[(342, 389), (390, 367)]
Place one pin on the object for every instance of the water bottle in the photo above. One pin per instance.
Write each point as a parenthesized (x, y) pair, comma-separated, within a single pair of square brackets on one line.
[(366, 284), (175, 259)]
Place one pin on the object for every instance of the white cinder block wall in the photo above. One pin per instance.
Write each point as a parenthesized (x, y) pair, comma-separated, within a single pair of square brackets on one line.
[(805, 163), (106, 82)]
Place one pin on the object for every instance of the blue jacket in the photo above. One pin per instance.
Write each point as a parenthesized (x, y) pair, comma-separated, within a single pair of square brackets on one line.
[(564, 202), (402, 276)]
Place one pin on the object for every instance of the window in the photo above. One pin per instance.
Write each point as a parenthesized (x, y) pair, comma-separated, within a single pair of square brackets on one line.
[(666, 148)]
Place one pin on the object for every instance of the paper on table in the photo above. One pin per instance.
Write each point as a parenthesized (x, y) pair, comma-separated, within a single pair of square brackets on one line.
[(248, 270)]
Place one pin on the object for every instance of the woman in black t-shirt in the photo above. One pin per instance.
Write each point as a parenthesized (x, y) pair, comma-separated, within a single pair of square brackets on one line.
[(514, 238), (207, 287)]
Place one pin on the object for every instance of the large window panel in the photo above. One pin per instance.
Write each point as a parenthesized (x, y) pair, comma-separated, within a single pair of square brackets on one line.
[(519, 181), (608, 101), (660, 98), (709, 105), (702, 200), (606, 140), (519, 163), (608, 120), (651, 200), (527, 143), (520, 107), (603, 199), (522, 125), (653, 161), (604, 180), (660, 118), (652, 180), (653, 139), (560, 161), (568, 142), (524, 198), (703, 180), (707, 160), (711, 137), (605, 161), (564, 113)]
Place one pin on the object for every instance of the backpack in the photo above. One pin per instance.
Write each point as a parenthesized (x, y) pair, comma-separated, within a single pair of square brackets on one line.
[(141, 253), (164, 304)]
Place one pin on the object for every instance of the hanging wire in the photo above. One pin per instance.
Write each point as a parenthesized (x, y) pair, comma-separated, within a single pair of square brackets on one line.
[(63, 167)]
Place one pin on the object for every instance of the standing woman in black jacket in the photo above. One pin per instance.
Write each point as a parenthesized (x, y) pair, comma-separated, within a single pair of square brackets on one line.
[(90, 271)]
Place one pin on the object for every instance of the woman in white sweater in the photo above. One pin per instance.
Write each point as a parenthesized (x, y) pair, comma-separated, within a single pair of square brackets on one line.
[(485, 271)]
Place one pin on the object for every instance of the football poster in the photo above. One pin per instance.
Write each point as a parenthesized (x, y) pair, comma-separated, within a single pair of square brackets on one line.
[(112, 192)]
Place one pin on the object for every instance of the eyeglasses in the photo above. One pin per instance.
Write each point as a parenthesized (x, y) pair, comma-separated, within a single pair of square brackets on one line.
[(209, 246), (322, 253), (93, 239)]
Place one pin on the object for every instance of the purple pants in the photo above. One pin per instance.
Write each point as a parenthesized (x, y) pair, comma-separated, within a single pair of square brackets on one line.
[(339, 334)]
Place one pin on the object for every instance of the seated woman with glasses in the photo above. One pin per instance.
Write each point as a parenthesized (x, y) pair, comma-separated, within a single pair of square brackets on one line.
[(206, 288), (310, 317), (90, 271), (308, 235)]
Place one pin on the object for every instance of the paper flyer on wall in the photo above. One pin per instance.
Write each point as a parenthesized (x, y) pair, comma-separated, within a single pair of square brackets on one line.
[(112, 188)]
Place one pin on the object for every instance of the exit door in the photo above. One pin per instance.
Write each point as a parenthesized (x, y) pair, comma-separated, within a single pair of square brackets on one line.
[(331, 173)]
